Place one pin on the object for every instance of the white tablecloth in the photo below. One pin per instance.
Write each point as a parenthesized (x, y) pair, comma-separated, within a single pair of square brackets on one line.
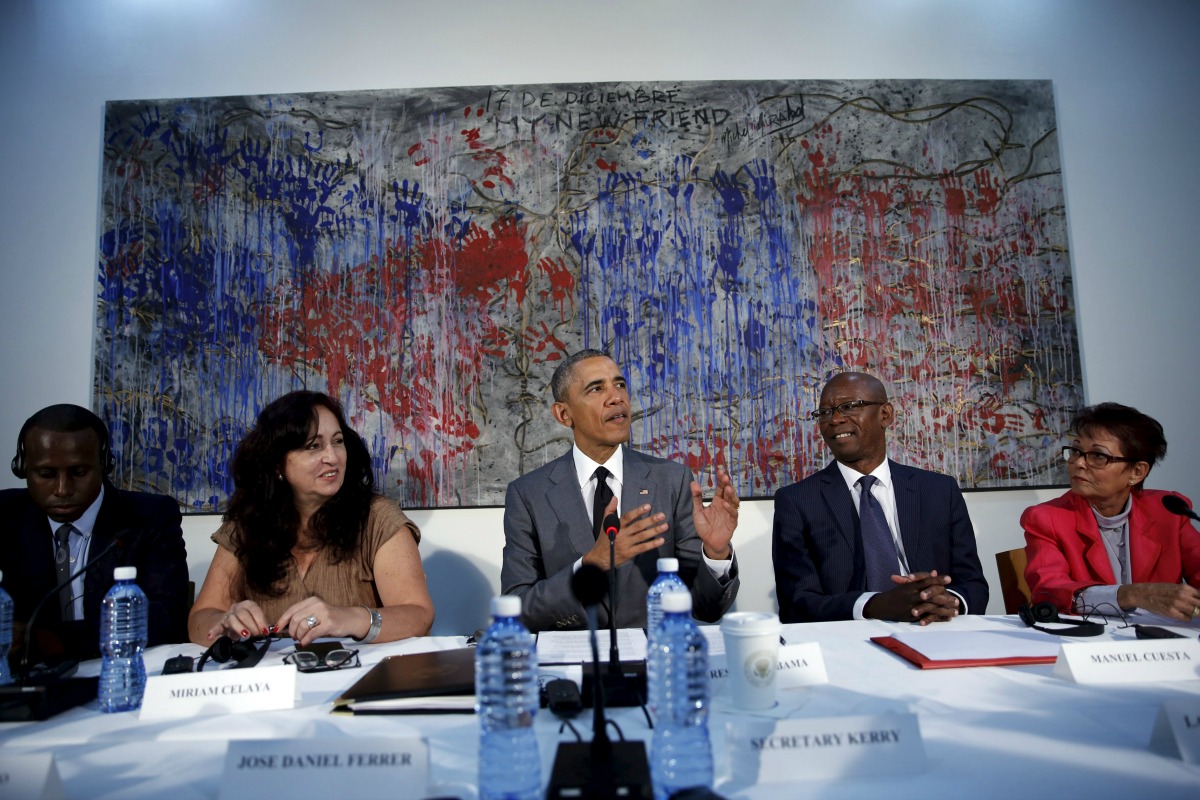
[(1004, 732)]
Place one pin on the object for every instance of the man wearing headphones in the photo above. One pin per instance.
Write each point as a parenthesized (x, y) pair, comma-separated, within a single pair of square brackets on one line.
[(70, 517)]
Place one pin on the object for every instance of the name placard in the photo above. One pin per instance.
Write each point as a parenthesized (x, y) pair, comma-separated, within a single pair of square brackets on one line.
[(797, 665), (1177, 730), (34, 776), (1137, 661), (373, 767), (219, 692), (830, 747)]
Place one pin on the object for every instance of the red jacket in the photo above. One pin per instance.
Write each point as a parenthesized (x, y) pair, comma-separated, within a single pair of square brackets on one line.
[(1066, 553)]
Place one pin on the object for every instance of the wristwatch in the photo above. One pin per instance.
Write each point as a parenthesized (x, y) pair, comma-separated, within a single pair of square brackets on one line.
[(376, 625)]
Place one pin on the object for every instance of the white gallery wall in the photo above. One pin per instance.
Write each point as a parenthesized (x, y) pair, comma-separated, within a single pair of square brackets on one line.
[(1128, 101)]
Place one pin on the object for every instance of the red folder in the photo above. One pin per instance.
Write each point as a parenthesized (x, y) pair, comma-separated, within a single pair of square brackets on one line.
[(924, 662)]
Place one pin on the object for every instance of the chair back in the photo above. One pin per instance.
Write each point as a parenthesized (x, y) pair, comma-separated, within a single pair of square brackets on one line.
[(1011, 565)]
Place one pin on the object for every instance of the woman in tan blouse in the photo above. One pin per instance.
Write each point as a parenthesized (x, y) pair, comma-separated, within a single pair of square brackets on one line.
[(307, 547)]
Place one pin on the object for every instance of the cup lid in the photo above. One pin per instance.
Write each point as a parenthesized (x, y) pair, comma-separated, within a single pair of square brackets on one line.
[(749, 623)]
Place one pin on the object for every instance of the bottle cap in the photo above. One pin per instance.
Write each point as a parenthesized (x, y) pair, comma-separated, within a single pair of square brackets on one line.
[(506, 605), (676, 602), (668, 565), (124, 573)]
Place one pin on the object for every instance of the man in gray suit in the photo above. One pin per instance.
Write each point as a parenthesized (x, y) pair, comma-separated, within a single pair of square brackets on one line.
[(552, 515)]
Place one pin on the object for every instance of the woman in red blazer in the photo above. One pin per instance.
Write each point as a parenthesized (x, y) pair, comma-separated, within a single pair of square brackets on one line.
[(1109, 542)]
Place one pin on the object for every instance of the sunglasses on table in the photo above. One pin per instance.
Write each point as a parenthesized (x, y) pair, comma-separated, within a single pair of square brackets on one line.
[(308, 661)]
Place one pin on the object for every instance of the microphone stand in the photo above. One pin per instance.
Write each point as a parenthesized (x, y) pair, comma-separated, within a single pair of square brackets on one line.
[(624, 684), (602, 769), (600, 741), (614, 657)]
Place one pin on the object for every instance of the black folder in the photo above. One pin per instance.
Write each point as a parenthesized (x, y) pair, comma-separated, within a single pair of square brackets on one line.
[(438, 682)]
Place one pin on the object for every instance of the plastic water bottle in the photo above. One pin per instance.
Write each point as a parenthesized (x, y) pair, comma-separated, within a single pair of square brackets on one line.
[(680, 752), (668, 580), (506, 699), (6, 633), (122, 640)]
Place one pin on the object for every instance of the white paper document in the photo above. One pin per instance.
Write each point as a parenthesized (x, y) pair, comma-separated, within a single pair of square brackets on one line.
[(574, 647)]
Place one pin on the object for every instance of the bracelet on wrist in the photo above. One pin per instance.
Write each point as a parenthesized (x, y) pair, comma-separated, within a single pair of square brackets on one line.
[(376, 626)]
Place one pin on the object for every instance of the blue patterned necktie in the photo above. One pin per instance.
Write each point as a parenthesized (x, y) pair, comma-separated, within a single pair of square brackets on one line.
[(879, 549), (63, 566)]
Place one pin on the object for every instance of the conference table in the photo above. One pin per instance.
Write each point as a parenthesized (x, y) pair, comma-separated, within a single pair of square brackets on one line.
[(986, 731)]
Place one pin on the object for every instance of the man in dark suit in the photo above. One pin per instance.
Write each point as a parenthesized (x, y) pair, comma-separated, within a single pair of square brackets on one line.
[(869, 538), (63, 455), (552, 515)]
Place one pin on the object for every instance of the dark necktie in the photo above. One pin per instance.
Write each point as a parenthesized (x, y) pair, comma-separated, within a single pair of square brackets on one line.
[(879, 549), (62, 565), (604, 493)]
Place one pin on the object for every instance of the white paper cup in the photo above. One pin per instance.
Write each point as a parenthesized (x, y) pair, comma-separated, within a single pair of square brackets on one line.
[(752, 653)]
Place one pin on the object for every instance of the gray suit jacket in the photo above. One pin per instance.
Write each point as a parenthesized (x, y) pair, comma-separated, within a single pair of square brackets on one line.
[(547, 529)]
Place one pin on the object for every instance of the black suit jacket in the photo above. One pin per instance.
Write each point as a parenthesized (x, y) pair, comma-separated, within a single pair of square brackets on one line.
[(547, 529), (817, 550), (155, 547)]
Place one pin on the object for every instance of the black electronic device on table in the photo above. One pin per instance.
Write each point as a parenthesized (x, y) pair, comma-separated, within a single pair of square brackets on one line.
[(1155, 632)]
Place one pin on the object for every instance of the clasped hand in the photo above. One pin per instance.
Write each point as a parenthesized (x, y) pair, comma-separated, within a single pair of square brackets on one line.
[(919, 597)]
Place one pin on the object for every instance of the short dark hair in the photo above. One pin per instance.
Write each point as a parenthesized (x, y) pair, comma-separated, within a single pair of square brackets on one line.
[(560, 382), (263, 506), (64, 418), (1140, 435)]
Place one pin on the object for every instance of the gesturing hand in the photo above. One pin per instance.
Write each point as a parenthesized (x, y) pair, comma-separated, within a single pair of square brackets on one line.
[(640, 531), (716, 523)]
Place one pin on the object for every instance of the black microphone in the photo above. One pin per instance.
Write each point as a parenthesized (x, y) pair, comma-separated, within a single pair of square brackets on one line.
[(611, 527), (119, 540), (603, 769), (1176, 505)]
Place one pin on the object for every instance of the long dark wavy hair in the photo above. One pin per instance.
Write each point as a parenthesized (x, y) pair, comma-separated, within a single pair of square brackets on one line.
[(263, 507)]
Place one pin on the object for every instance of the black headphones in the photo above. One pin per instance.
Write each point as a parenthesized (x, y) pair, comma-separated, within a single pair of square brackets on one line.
[(76, 416), (245, 653), (1038, 614)]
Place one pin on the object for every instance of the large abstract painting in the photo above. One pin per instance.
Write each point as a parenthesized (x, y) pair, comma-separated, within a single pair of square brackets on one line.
[(429, 255)]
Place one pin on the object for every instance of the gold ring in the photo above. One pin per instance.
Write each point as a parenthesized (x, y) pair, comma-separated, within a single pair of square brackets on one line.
[(1195, 611), (312, 622)]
